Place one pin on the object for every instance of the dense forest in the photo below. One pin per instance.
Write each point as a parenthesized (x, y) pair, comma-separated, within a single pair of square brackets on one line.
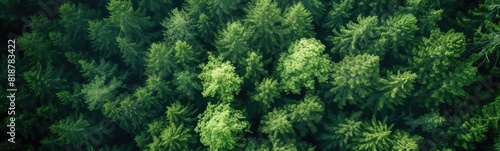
[(117, 75)]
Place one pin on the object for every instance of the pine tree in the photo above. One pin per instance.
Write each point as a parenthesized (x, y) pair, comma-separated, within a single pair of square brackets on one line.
[(297, 23), (185, 55), (254, 70), (45, 82), (342, 133), (75, 129), (306, 114), (131, 52), (405, 142), (219, 78), (393, 91), (103, 68), (441, 73), (221, 127), (178, 113), (316, 7), (355, 79), (359, 38), (339, 14), (427, 122), (179, 26), (302, 65), (397, 34), (375, 135), (277, 123), (188, 84), (266, 93), (263, 19), (233, 43), (103, 37), (98, 92), (160, 60)]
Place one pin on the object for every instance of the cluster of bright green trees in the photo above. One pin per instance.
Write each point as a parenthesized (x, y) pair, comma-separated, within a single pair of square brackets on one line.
[(259, 75)]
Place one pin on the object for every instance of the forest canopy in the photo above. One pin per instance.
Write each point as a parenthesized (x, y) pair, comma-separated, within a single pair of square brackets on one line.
[(256, 75)]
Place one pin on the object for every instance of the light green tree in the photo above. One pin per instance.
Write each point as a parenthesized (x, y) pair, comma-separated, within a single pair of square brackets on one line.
[(221, 127), (219, 78), (302, 65)]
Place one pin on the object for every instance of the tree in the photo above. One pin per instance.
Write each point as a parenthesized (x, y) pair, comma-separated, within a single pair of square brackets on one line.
[(132, 24), (263, 19), (393, 91), (302, 65), (297, 23), (45, 82), (266, 93), (355, 79), (316, 7), (397, 32), (233, 43), (359, 38), (179, 27), (342, 132), (186, 56), (221, 127), (277, 123), (306, 114), (131, 53), (254, 70), (470, 131), (178, 113), (339, 14), (427, 122), (219, 78), (75, 129), (97, 92), (75, 21), (405, 142), (105, 68), (375, 135), (160, 60), (441, 73), (188, 84), (103, 38)]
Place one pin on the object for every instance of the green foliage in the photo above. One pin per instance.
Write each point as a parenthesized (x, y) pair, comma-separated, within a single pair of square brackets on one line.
[(219, 78), (263, 19), (188, 84), (397, 32), (339, 14), (438, 68), (75, 129), (428, 122), (103, 68), (297, 23), (174, 138), (98, 92), (160, 60), (254, 67), (178, 113), (359, 38), (302, 65), (405, 142), (221, 127), (375, 135), (470, 131), (342, 133), (266, 92), (185, 54), (103, 37), (233, 42), (277, 123), (75, 20), (178, 27), (395, 89), (306, 114), (355, 78), (45, 82)]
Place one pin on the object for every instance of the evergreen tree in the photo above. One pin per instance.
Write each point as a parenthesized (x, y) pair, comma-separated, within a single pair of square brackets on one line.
[(297, 23), (355, 79), (266, 93), (441, 73), (219, 78), (97, 92), (302, 65), (375, 135), (306, 114), (233, 43), (359, 38), (221, 127), (342, 133), (263, 19)]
